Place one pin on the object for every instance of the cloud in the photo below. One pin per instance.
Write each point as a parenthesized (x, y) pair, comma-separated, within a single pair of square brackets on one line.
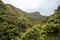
[(45, 7)]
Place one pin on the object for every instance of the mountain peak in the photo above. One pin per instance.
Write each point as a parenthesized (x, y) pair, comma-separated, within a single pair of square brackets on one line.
[(36, 12)]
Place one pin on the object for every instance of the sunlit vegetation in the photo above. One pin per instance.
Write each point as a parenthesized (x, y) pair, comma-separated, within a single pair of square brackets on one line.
[(16, 24)]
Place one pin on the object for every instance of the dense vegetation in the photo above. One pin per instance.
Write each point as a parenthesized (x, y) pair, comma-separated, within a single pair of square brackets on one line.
[(16, 24)]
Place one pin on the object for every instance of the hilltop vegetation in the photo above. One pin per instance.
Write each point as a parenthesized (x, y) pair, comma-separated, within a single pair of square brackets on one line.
[(16, 24)]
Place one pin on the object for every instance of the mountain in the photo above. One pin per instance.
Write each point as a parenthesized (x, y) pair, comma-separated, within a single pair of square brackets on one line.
[(24, 16), (14, 21), (48, 30), (52, 27), (16, 24), (38, 15)]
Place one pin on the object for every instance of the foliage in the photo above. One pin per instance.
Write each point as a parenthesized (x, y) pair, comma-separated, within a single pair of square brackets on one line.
[(16, 24)]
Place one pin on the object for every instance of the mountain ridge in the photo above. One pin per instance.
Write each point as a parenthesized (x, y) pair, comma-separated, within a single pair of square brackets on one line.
[(16, 24)]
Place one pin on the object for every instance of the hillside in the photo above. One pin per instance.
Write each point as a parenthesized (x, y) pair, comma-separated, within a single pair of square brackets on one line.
[(50, 30), (14, 21), (16, 24), (24, 16)]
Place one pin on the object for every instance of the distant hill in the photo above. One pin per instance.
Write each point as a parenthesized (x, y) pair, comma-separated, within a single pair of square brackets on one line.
[(24, 16)]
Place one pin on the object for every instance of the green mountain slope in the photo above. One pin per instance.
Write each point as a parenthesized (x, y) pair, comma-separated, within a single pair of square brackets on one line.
[(14, 21), (32, 18), (16, 24), (48, 31), (53, 25)]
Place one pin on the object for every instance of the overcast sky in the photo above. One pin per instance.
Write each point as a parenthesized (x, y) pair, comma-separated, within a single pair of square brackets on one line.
[(45, 7)]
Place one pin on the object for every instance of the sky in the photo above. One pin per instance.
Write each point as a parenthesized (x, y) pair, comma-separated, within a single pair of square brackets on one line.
[(45, 7)]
